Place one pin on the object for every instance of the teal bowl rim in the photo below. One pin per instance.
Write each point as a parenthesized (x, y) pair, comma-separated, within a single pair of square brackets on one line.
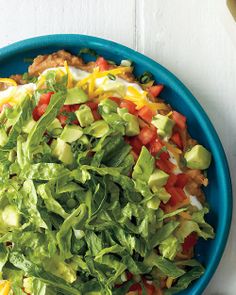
[(190, 101)]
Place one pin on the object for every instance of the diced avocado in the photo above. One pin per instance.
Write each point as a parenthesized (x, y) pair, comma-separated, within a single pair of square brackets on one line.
[(132, 127), (108, 106), (62, 151), (161, 193), (158, 178), (29, 126), (55, 128), (75, 96), (97, 129), (198, 158), (144, 165), (85, 116), (71, 133), (11, 216), (163, 124), (154, 203), (122, 111), (3, 136)]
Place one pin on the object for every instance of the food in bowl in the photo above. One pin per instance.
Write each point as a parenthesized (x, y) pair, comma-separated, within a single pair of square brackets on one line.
[(101, 184)]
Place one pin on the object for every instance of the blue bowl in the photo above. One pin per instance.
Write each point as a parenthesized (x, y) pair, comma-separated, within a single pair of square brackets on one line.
[(218, 193)]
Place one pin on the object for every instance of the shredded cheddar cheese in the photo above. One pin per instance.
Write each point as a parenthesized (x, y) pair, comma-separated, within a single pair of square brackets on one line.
[(5, 287), (8, 81), (169, 282), (70, 78)]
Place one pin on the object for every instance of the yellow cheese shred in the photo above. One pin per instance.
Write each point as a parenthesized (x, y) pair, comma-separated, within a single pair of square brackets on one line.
[(8, 81), (5, 287), (169, 282), (69, 75)]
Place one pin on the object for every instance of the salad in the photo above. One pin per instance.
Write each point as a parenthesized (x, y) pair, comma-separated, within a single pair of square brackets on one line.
[(100, 182)]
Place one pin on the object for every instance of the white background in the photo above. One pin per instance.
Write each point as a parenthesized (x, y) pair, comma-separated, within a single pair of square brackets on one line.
[(195, 39)]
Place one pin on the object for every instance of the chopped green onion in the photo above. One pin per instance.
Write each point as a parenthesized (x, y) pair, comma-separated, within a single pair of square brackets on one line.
[(111, 77), (145, 77)]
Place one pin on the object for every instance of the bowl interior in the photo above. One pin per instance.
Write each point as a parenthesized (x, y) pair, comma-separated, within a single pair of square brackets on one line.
[(218, 193)]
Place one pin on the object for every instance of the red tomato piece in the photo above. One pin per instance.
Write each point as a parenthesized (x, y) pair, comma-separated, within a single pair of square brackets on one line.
[(171, 180), (182, 180), (136, 288), (155, 90), (41, 109), (129, 275), (74, 107), (92, 105), (147, 135), (35, 114), (102, 64), (177, 195), (189, 242), (165, 165), (45, 98), (180, 120), (155, 146), (136, 144), (96, 115), (176, 138), (129, 105), (115, 99), (146, 114), (164, 156)]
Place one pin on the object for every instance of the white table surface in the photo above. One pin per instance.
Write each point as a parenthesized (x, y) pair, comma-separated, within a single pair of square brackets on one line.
[(192, 38)]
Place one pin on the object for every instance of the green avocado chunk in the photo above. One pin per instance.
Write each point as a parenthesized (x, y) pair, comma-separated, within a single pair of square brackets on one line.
[(84, 115), (163, 124), (62, 151), (158, 178), (144, 165), (97, 129), (198, 158), (71, 133), (132, 127), (108, 106), (75, 96)]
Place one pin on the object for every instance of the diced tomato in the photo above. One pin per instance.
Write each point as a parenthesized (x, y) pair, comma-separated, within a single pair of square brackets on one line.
[(147, 135), (136, 288), (61, 116), (96, 115), (177, 195), (115, 99), (136, 144), (165, 165), (182, 180), (102, 64), (41, 109), (171, 180), (155, 146), (65, 108), (150, 288), (62, 119), (92, 105), (146, 114), (176, 138), (180, 120), (45, 98), (129, 105), (155, 90), (189, 242), (74, 107), (164, 156)]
